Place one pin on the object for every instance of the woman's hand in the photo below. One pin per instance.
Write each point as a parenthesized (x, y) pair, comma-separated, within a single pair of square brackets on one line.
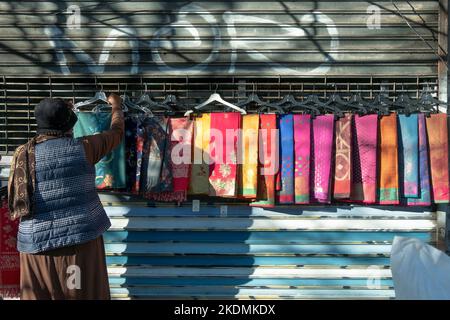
[(115, 100)]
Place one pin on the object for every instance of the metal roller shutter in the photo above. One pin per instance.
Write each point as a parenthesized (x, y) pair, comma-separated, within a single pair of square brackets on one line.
[(249, 253), (218, 37)]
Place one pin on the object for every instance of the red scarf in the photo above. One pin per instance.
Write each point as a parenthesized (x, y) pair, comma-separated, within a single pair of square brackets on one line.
[(9, 256), (224, 153)]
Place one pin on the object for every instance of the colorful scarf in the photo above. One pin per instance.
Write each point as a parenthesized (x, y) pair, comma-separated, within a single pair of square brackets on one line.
[(249, 167), (110, 170), (156, 173), (131, 125), (199, 183), (286, 195), (323, 132), (22, 178), (140, 140), (424, 170), (302, 139), (268, 160), (180, 130), (438, 142), (409, 151), (9, 256), (224, 133), (364, 180), (388, 192), (343, 159)]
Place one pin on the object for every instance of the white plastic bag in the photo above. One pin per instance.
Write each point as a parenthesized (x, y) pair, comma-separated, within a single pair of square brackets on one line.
[(419, 271)]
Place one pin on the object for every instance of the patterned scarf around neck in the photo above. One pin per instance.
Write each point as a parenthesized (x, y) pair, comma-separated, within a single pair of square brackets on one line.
[(22, 177)]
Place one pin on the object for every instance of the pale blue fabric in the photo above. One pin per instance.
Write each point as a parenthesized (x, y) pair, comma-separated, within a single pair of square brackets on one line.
[(409, 155)]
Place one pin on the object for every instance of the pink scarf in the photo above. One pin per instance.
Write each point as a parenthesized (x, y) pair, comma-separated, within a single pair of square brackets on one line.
[(302, 152), (323, 132), (364, 184), (438, 142)]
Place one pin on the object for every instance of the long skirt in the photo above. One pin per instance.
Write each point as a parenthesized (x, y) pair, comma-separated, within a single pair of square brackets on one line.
[(74, 272)]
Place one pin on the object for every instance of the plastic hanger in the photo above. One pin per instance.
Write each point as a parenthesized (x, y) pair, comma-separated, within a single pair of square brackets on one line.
[(129, 104), (406, 104), (314, 99), (215, 97), (99, 96), (253, 98), (293, 103), (356, 102), (380, 105), (145, 100), (428, 103)]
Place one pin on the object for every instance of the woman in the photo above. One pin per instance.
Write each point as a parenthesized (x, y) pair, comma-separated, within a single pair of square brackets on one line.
[(52, 191)]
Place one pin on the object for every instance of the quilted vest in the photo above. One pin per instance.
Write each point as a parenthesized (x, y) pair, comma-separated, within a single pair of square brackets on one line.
[(68, 210)]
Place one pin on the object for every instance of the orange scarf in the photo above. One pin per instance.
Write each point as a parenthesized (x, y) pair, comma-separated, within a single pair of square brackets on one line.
[(249, 167), (388, 192)]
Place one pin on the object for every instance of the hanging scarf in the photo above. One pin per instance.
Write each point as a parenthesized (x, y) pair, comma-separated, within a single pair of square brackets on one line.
[(110, 170), (131, 125), (286, 195), (424, 170), (438, 142), (223, 152), (323, 132), (365, 158), (343, 159), (409, 151), (140, 140), (249, 168), (156, 159), (302, 150), (9, 256), (199, 183), (268, 160), (180, 130), (388, 192), (22, 177)]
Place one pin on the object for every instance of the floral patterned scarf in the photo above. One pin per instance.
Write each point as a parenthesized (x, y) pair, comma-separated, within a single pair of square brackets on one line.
[(224, 152), (179, 153)]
